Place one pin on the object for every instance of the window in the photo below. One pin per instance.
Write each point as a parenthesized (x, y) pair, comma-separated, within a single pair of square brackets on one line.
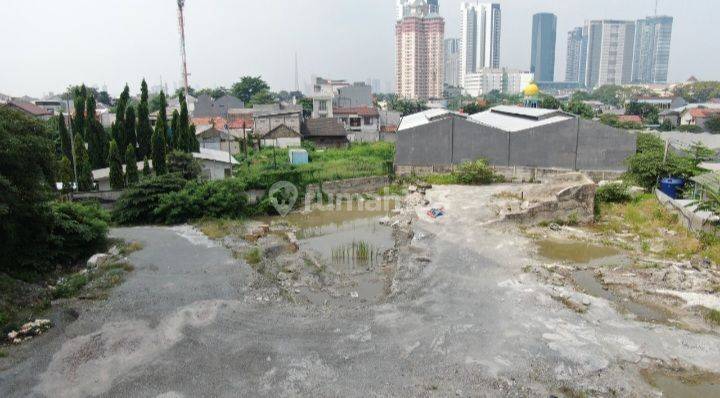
[(322, 105)]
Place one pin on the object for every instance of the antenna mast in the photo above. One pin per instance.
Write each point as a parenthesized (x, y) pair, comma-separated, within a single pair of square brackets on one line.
[(297, 82), (183, 56)]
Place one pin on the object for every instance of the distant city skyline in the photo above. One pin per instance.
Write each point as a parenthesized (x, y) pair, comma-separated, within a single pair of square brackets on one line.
[(111, 43)]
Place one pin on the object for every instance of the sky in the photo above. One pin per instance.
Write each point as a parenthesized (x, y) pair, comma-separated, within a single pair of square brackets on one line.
[(48, 45)]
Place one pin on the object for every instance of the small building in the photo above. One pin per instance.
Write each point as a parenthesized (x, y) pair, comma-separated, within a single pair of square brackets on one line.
[(267, 117), (216, 138), (205, 106), (102, 176), (325, 133), (362, 123), (30, 109), (281, 136), (697, 116)]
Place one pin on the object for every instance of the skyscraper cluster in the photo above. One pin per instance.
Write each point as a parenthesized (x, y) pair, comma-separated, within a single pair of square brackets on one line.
[(480, 28), (419, 63), (619, 52)]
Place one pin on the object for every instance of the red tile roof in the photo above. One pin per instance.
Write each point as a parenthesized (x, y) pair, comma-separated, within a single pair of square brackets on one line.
[(218, 122), (630, 118), (30, 108), (364, 111), (702, 112)]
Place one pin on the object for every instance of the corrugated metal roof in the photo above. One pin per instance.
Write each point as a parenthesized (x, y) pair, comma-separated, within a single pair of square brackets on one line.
[(523, 111), (424, 117), (520, 120), (709, 180)]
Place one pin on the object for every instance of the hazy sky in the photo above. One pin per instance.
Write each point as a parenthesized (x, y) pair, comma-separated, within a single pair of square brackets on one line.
[(49, 44)]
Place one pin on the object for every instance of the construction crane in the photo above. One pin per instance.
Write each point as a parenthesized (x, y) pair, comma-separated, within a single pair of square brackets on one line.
[(183, 56)]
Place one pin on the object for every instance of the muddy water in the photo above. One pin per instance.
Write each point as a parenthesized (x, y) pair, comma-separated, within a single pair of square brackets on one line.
[(588, 283), (336, 233), (575, 252), (675, 387)]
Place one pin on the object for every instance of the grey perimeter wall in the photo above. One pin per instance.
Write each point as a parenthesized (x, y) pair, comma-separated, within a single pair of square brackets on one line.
[(574, 144)]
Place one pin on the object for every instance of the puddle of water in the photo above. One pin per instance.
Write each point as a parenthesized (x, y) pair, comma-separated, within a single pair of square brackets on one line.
[(575, 252), (674, 387), (588, 283), (349, 238), (332, 218)]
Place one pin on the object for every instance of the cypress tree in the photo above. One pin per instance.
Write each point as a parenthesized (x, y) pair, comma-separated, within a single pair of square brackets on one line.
[(184, 127), (194, 143), (119, 125), (78, 121), (65, 174), (159, 147), (162, 115), (65, 141), (130, 125), (144, 129), (117, 179), (146, 168), (84, 168), (131, 170), (95, 137), (175, 137)]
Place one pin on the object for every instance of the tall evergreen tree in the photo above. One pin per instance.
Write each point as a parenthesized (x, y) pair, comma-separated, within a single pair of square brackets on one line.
[(144, 129), (174, 131), (65, 174), (78, 121), (117, 179), (130, 126), (95, 137), (146, 168), (84, 168), (65, 139), (131, 169), (119, 125), (162, 115), (159, 148), (184, 126), (194, 143)]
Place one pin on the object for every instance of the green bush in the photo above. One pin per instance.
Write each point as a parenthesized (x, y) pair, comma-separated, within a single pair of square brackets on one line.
[(477, 173), (612, 193), (78, 231), (70, 286), (138, 204), (690, 128), (219, 199), (185, 164)]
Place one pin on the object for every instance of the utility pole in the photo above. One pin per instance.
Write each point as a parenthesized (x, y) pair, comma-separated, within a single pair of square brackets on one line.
[(183, 55), (297, 82)]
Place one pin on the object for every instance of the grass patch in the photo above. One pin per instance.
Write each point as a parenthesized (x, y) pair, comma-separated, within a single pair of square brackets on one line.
[(645, 217), (70, 286), (713, 316), (253, 256), (220, 228), (3, 354), (392, 190)]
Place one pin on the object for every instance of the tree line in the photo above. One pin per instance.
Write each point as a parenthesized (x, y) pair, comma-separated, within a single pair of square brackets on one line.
[(131, 138)]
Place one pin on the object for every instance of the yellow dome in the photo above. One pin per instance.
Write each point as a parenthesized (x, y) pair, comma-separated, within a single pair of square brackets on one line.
[(531, 90)]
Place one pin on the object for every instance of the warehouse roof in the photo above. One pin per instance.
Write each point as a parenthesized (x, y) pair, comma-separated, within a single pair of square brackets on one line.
[(425, 117), (516, 118)]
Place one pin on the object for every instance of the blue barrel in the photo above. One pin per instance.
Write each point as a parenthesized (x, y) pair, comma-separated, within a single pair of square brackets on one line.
[(672, 186)]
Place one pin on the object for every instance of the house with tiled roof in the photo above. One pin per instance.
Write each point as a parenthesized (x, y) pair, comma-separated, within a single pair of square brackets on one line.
[(282, 136), (697, 116), (325, 133), (29, 109)]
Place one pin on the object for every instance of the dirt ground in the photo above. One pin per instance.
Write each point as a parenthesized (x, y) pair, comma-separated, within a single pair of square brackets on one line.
[(385, 301)]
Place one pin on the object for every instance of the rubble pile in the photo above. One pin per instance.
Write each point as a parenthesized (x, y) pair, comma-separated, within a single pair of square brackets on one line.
[(29, 330)]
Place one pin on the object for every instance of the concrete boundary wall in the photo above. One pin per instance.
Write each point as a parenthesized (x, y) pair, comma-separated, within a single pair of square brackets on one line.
[(692, 219), (574, 144)]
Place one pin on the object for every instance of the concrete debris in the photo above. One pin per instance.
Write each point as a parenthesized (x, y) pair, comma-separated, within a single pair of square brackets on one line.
[(98, 259), (29, 330)]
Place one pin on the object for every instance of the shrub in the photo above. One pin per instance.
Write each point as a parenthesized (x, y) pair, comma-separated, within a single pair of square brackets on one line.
[(690, 128), (222, 199), (70, 286), (476, 173), (649, 163), (612, 193), (138, 204), (78, 231), (185, 164)]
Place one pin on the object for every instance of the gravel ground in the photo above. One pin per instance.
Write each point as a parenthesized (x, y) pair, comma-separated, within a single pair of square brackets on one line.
[(463, 319)]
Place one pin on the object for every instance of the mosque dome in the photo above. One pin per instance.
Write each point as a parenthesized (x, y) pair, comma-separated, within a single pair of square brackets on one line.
[(531, 90)]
